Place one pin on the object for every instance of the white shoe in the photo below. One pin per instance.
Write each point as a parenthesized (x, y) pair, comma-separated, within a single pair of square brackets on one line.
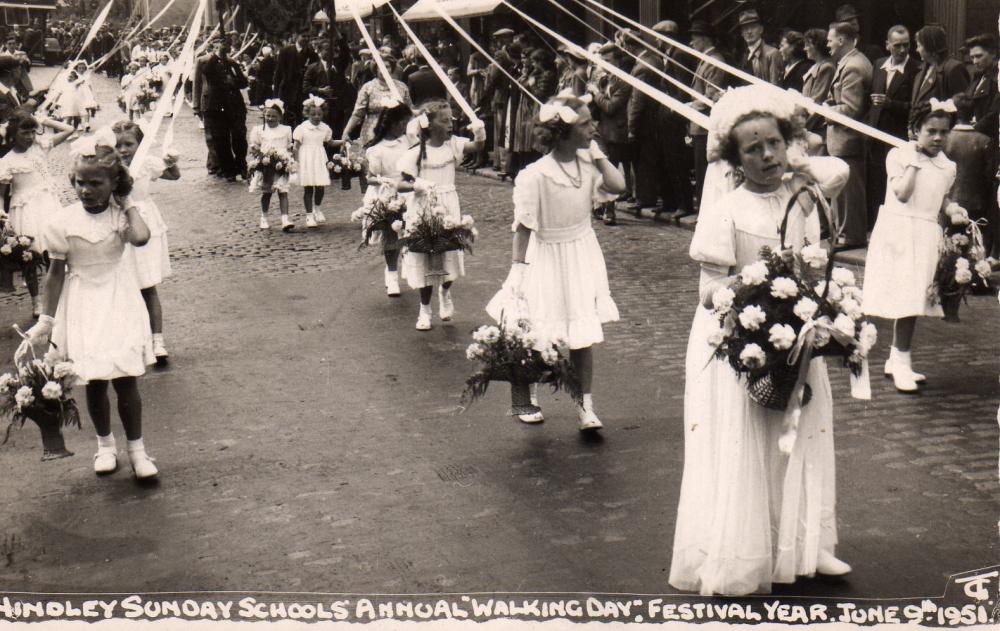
[(446, 306), (320, 217), (142, 465), (310, 221), (531, 419), (902, 373), (392, 283), (263, 224), (829, 565), (424, 319), (918, 377), (160, 350), (105, 460), (286, 223), (36, 306)]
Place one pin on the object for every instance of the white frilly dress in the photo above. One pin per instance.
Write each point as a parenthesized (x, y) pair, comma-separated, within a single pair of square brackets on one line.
[(748, 515), (152, 260), (438, 167), (278, 138), (565, 284), (903, 252), (101, 320), (33, 202), (312, 153)]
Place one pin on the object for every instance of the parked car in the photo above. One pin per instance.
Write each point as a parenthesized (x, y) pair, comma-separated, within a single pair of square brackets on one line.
[(54, 53)]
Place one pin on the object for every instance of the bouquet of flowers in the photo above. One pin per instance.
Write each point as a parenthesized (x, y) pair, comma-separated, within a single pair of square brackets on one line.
[(348, 164), (962, 263), (379, 214), (40, 390), (15, 250), (147, 94), (270, 164), (426, 228), (510, 353)]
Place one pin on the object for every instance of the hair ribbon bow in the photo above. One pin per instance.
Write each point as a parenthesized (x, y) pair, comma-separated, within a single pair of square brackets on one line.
[(87, 146), (278, 103), (313, 101), (423, 121), (943, 106)]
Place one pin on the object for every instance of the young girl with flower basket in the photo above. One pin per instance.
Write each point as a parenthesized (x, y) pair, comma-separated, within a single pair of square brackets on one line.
[(903, 252), (33, 202), (429, 170), (382, 157), (558, 267), (152, 260), (311, 138), (271, 162), (94, 312), (733, 536)]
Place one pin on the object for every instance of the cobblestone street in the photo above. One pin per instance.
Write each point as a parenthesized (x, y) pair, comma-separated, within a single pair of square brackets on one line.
[(309, 439)]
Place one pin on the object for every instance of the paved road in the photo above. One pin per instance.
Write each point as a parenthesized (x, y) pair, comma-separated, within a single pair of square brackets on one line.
[(311, 440)]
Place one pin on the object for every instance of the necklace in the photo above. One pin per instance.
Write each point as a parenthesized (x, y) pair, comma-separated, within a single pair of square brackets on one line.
[(577, 181)]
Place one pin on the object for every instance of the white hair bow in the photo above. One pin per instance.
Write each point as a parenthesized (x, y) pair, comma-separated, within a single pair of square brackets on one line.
[(550, 111), (278, 103), (87, 146), (313, 100), (423, 121), (943, 106)]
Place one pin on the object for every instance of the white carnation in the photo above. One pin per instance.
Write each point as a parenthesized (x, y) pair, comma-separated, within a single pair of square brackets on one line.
[(722, 299), (843, 277), (814, 255), (754, 274), (983, 268), (963, 276), (782, 336), (62, 370), (752, 356), (845, 324), (752, 317), (474, 351), (784, 287), (805, 308), (52, 390), (867, 337), (24, 397), (852, 308), (962, 263)]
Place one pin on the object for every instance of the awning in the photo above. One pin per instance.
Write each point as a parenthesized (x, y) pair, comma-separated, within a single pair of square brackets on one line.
[(424, 9), (34, 4), (365, 8)]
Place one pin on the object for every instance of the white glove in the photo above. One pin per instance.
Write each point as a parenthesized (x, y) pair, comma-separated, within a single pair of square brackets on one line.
[(37, 339), (595, 152), (422, 186), (478, 128)]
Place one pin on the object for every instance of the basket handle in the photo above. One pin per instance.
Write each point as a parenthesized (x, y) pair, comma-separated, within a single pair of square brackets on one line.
[(823, 208)]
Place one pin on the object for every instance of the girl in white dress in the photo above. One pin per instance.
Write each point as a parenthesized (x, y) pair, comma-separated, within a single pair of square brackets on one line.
[(431, 165), (382, 157), (94, 312), (129, 98), (85, 100), (152, 260), (33, 201), (749, 515), (558, 266), (311, 138), (272, 135), (903, 252)]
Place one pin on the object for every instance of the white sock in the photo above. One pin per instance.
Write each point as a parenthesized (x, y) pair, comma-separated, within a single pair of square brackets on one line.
[(158, 337), (106, 442), (588, 401), (284, 217), (136, 446)]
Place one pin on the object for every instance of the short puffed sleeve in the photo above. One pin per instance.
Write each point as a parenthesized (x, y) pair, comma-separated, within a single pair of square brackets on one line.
[(458, 147), (372, 155), (5, 175), (714, 239), (299, 133), (408, 163), (287, 135), (327, 132), (896, 161), (54, 237), (255, 136), (527, 198), (951, 172)]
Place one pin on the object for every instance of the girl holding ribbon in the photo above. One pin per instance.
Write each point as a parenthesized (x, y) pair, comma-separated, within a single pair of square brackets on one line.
[(903, 252), (271, 141), (431, 165), (94, 312), (749, 515), (311, 137)]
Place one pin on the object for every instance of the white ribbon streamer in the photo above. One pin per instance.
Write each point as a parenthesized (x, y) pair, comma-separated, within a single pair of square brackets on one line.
[(379, 62)]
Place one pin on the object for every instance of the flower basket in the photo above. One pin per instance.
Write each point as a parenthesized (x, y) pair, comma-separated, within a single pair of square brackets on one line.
[(50, 425), (950, 304), (378, 216), (271, 164), (16, 254), (962, 263), (774, 389), (427, 229)]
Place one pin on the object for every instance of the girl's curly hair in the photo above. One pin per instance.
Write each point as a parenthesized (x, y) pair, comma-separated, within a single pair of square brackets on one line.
[(107, 159), (123, 127), (729, 147), (19, 119), (547, 134), (387, 120)]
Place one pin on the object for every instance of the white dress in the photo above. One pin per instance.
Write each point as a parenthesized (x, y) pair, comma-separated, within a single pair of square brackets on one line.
[(439, 168), (101, 321), (383, 162), (278, 138), (33, 202), (152, 260), (85, 94), (903, 252), (312, 153), (566, 282), (749, 515)]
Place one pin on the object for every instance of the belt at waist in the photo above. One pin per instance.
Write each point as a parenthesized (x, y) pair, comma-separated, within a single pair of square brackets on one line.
[(444, 188), (562, 235), (900, 212)]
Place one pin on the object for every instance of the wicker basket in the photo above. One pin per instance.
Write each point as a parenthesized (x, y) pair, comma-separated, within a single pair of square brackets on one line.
[(774, 390)]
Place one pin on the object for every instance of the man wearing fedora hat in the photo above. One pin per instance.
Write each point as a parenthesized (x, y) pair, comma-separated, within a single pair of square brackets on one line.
[(762, 60), (710, 81)]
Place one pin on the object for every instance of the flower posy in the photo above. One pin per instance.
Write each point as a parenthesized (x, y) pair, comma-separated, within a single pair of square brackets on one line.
[(752, 317)]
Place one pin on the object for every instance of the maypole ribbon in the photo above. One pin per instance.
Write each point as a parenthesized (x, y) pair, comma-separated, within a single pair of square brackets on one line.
[(376, 55), (666, 100), (60, 77), (447, 18), (436, 67), (246, 46)]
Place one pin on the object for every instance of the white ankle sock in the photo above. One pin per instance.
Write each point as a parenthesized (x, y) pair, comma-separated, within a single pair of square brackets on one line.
[(158, 337), (135, 446), (106, 442), (588, 401)]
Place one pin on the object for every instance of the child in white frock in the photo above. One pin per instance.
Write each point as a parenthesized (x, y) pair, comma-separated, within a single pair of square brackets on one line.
[(903, 253), (152, 260), (33, 201), (311, 138), (272, 136), (748, 515), (94, 312), (558, 266), (382, 158), (431, 165)]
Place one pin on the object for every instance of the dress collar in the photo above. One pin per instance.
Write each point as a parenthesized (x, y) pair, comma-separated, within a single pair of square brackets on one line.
[(550, 168)]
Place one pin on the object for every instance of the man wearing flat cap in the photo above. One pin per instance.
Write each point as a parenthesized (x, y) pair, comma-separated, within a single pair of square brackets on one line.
[(496, 90), (762, 60)]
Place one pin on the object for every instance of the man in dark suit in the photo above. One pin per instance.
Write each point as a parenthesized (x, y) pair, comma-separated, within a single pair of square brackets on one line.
[(224, 111), (289, 75), (496, 92), (424, 86), (983, 51), (892, 87), (762, 61), (197, 91), (316, 79)]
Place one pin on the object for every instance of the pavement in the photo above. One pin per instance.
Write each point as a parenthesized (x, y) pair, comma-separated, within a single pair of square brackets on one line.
[(309, 439)]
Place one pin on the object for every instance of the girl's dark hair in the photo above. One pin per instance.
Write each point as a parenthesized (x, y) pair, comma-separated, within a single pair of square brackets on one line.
[(430, 108), (20, 119), (964, 105), (388, 119), (107, 159), (798, 43), (547, 134), (922, 112), (128, 127), (816, 37), (729, 147), (934, 39)]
